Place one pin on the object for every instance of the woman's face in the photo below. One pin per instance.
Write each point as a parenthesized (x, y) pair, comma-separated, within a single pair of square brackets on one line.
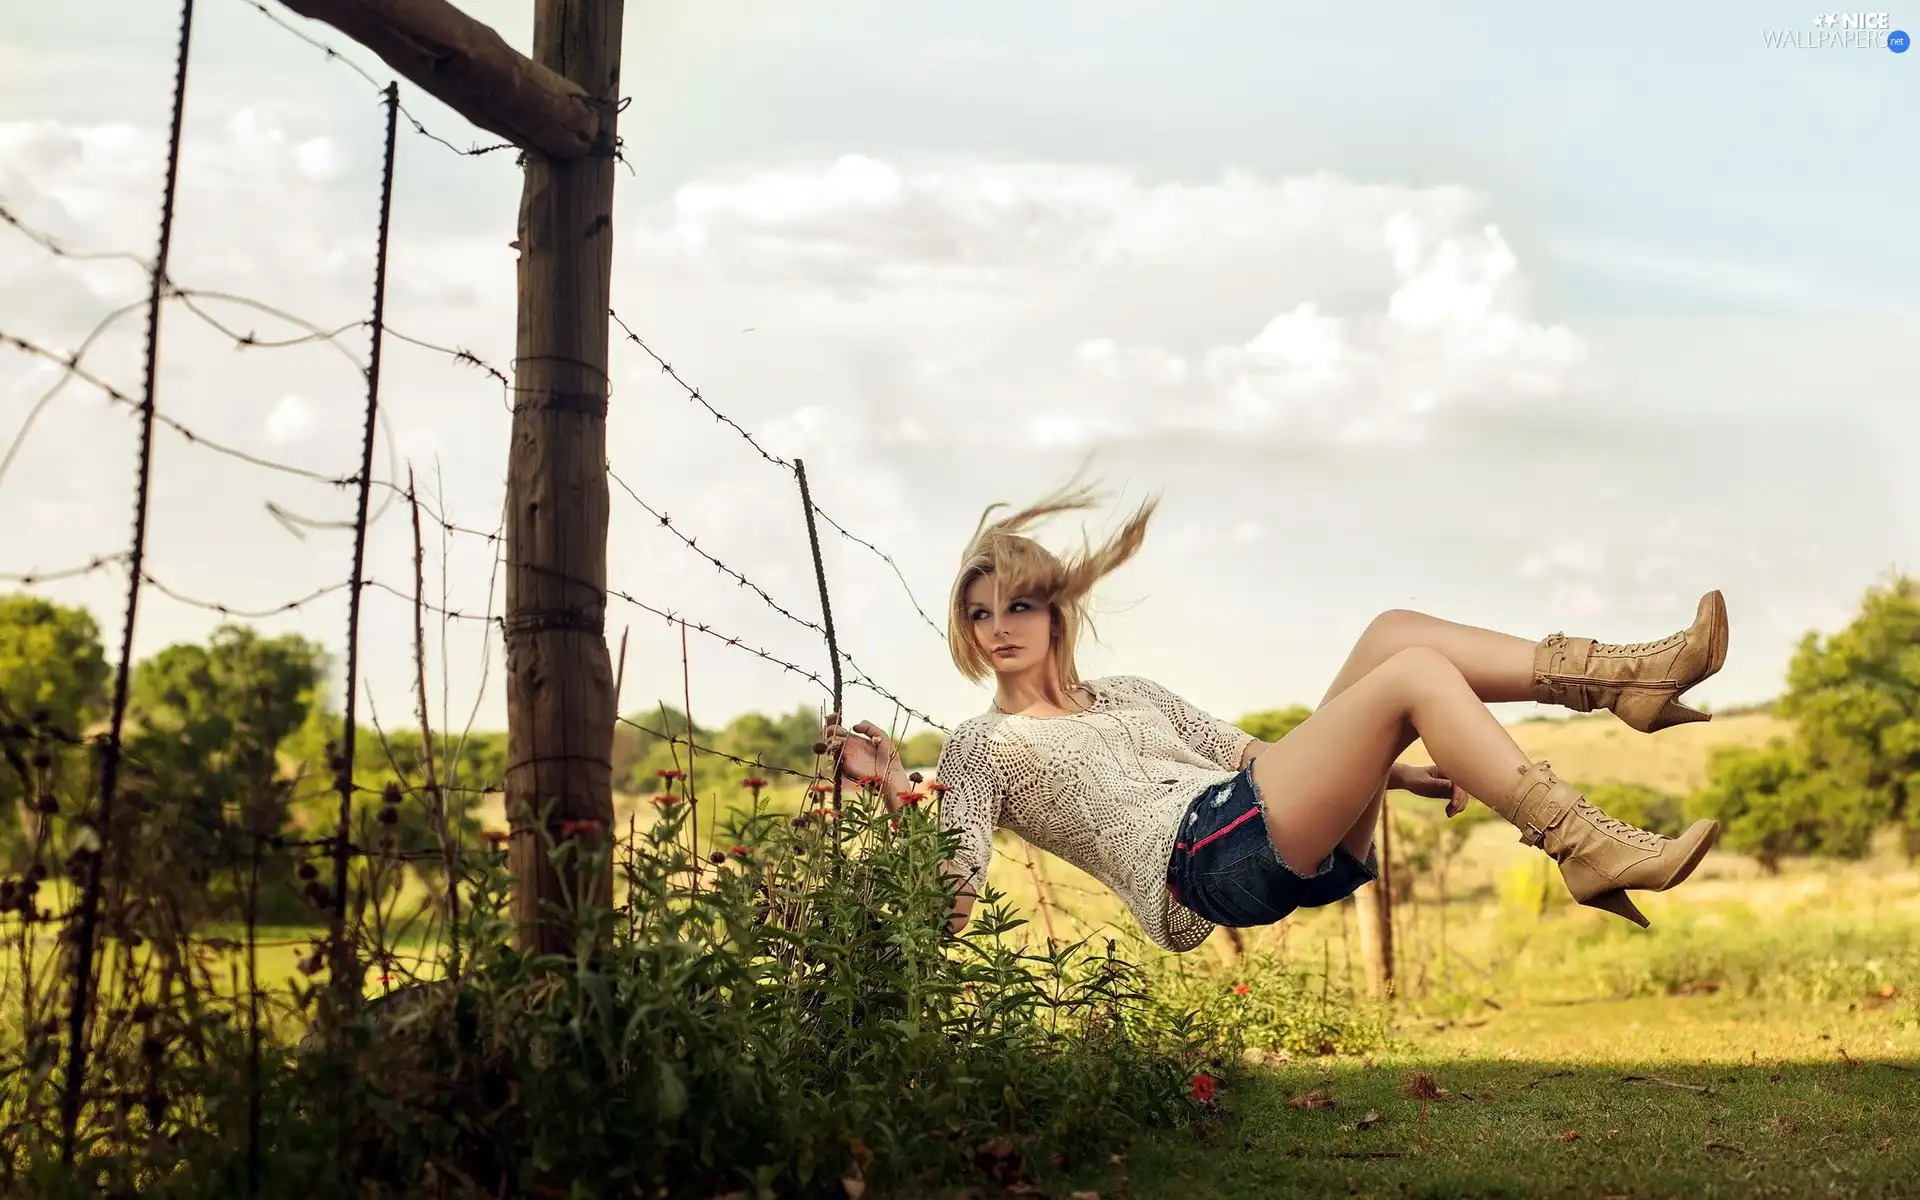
[(1016, 636)]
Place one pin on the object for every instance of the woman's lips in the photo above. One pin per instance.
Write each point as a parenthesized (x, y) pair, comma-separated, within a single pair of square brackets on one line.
[(1007, 651)]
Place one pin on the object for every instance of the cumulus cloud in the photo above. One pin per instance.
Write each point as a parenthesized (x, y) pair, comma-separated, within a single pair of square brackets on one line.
[(931, 335), (1350, 312)]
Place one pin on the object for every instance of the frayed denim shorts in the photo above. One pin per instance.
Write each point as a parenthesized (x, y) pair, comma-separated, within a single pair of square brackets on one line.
[(1225, 869)]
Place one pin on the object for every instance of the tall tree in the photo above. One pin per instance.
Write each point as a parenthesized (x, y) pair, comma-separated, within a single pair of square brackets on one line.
[(204, 776), (1855, 701), (53, 675)]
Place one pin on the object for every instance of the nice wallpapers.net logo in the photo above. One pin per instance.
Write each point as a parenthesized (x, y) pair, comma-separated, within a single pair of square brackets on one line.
[(1842, 31)]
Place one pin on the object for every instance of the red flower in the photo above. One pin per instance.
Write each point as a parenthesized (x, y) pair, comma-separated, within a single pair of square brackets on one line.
[(908, 798), (1203, 1088), (384, 980), (820, 788), (741, 851), (569, 828), (1239, 989), (666, 799), (670, 773), (755, 782), (939, 789), (868, 781)]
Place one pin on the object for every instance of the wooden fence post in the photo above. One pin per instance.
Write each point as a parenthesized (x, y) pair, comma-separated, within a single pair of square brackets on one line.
[(560, 695)]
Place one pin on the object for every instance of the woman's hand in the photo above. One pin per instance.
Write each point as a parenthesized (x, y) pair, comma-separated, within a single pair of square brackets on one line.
[(865, 750), (1430, 782)]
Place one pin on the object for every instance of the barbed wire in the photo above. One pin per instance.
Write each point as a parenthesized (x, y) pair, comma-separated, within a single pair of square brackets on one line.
[(92, 844), (860, 676), (59, 249), (93, 566), (474, 151), (72, 366), (694, 394)]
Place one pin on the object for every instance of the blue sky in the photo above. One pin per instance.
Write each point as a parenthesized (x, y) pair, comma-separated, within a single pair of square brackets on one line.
[(1701, 285)]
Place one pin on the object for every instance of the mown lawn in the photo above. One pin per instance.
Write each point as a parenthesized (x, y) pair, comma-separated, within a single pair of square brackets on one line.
[(1696, 1097)]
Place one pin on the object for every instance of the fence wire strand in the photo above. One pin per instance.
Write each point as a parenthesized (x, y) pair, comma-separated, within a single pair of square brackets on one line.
[(349, 942)]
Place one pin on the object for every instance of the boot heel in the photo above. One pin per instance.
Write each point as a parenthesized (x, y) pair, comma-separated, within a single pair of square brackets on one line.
[(1676, 713), (1617, 903)]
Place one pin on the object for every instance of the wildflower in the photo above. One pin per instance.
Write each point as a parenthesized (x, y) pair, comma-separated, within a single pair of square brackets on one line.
[(1202, 1088), (666, 799), (716, 858), (869, 781), (1240, 989), (939, 789), (907, 799), (741, 851), (754, 782), (670, 773), (569, 828), (820, 787)]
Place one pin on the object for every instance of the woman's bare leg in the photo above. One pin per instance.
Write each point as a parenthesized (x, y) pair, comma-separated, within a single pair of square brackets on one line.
[(1321, 782), (1497, 666)]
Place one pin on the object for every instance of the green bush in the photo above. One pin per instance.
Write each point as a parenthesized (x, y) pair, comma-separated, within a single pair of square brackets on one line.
[(790, 1018), (1271, 1005)]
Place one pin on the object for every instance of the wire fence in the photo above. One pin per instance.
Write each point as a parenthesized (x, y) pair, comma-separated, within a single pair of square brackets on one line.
[(348, 868)]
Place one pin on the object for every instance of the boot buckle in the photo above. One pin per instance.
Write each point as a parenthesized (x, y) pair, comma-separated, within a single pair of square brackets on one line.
[(1533, 836)]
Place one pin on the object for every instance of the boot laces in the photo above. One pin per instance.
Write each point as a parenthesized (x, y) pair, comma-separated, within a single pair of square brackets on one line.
[(1618, 828), (1671, 639)]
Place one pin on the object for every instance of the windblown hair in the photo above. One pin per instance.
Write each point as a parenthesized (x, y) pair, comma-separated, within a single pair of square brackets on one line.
[(1020, 566)]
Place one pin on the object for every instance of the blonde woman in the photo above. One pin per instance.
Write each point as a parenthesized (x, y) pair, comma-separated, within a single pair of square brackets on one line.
[(1192, 822)]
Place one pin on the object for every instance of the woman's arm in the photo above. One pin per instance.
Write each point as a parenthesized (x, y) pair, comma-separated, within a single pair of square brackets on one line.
[(1216, 740), (967, 791)]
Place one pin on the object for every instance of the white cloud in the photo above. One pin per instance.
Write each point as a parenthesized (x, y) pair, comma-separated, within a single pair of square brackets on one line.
[(291, 420), (1342, 388), (1352, 313)]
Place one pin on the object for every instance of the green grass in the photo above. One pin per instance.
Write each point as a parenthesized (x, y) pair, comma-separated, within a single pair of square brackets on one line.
[(1695, 1097)]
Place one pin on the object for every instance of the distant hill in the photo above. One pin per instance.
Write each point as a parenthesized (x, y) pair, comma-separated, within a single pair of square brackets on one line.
[(1597, 748)]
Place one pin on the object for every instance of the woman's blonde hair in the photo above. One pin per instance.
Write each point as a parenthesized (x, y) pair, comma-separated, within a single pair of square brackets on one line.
[(1021, 566)]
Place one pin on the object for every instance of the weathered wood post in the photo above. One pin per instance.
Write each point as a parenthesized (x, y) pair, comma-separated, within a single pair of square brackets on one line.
[(1373, 905), (560, 699), (560, 107)]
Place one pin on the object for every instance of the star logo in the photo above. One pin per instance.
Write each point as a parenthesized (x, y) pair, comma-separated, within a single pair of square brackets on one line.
[(1823, 19)]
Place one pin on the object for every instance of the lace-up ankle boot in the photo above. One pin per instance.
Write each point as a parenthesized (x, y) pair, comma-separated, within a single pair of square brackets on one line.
[(1641, 684), (1600, 856)]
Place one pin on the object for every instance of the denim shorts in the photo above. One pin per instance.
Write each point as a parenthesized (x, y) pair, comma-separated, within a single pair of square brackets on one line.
[(1225, 869)]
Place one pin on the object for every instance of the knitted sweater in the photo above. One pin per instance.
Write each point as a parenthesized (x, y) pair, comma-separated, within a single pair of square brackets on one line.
[(1104, 789)]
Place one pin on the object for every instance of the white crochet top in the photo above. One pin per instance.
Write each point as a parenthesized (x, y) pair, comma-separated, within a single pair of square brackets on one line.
[(1105, 789)]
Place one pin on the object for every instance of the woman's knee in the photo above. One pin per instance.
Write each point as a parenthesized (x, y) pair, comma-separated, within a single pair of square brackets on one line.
[(1394, 630), (1415, 672)]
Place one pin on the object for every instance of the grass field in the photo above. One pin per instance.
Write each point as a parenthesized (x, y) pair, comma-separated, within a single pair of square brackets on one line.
[(1762, 1039), (1699, 1097)]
